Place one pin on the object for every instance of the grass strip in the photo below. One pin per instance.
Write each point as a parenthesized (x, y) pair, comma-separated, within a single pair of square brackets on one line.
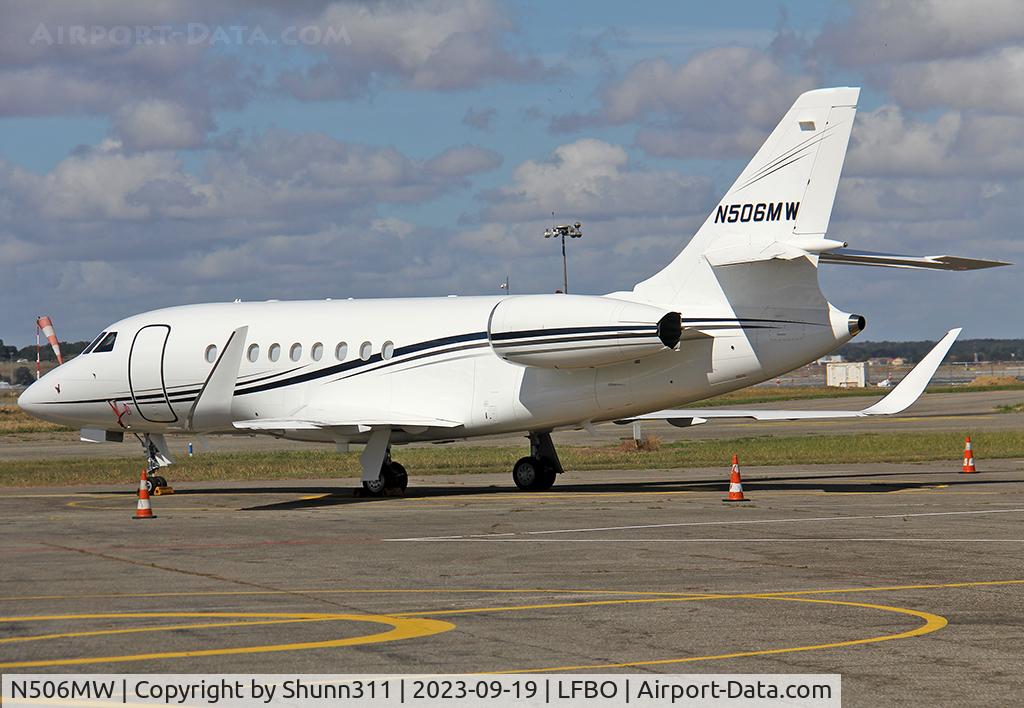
[(456, 459)]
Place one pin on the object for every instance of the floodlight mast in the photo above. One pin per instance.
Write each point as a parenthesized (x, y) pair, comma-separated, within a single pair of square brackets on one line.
[(561, 231)]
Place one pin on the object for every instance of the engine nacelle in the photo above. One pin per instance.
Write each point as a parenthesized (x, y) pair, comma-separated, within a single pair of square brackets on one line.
[(578, 331)]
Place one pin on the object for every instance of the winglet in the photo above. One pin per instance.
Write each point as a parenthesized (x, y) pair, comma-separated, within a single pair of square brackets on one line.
[(913, 384)]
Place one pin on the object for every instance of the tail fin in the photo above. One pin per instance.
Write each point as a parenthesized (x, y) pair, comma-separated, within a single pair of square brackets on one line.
[(784, 195)]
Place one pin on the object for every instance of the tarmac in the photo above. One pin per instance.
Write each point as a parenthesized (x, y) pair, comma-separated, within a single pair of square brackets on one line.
[(907, 579)]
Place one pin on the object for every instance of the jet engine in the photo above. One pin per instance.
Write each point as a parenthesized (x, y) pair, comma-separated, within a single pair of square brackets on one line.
[(578, 331)]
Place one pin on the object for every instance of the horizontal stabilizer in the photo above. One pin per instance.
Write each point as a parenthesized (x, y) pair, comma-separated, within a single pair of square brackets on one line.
[(895, 260), (899, 399)]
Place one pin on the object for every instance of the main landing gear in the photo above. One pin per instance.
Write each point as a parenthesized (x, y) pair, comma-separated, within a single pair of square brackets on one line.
[(537, 472), (393, 478), (381, 474)]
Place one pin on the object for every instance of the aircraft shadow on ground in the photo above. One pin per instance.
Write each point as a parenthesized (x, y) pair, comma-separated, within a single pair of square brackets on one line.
[(839, 483)]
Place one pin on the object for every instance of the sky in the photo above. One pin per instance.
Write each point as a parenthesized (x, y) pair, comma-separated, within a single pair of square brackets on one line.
[(163, 153)]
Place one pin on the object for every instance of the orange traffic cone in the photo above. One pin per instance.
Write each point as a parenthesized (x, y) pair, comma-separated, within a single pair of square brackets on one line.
[(144, 510), (969, 467), (735, 483)]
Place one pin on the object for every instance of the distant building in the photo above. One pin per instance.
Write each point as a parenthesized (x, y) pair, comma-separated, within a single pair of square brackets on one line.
[(850, 374), (830, 359)]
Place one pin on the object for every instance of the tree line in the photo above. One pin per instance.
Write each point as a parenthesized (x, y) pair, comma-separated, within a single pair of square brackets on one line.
[(963, 350)]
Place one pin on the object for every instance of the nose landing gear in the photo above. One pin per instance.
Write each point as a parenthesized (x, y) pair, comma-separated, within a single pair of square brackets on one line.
[(157, 457)]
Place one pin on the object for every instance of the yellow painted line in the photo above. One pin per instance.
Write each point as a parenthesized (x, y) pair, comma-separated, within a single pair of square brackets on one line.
[(932, 623), (158, 628), (53, 496), (691, 597), (555, 605), (896, 588), (401, 628), (360, 591), (491, 591)]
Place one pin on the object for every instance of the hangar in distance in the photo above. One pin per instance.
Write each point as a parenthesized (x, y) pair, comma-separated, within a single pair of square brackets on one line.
[(740, 304)]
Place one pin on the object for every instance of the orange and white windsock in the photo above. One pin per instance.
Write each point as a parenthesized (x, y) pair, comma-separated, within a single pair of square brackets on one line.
[(46, 325)]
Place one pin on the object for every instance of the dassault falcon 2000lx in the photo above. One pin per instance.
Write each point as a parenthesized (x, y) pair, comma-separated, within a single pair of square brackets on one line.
[(739, 305)]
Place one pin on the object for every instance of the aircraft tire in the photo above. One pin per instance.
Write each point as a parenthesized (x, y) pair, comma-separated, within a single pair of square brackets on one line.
[(376, 487), (396, 477), (532, 475)]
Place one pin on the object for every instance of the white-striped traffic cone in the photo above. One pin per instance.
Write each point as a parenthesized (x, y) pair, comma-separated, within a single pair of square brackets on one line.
[(969, 467), (735, 483), (144, 510)]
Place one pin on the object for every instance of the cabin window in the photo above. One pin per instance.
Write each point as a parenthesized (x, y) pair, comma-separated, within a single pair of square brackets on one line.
[(316, 352), (295, 353), (107, 343), (387, 350), (211, 354), (274, 353), (341, 351), (365, 350), (254, 352)]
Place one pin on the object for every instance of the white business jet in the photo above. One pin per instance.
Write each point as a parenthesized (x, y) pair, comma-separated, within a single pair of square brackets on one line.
[(739, 305)]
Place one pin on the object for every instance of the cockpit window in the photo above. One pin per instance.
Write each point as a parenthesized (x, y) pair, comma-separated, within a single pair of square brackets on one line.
[(106, 344), (93, 343)]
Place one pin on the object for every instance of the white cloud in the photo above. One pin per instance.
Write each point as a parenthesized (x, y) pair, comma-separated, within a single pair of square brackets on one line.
[(718, 103), (589, 178), (429, 45), (463, 160), (156, 124), (896, 31), (888, 142), (988, 82)]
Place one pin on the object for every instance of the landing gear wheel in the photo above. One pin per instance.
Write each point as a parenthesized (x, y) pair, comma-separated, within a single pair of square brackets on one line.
[(532, 475), (160, 481), (375, 487), (397, 478), (392, 476), (150, 484)]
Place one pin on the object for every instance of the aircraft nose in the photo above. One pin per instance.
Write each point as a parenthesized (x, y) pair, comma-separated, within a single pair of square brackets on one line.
[(31, 399)]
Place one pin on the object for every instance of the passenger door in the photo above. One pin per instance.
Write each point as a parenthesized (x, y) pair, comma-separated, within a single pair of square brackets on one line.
[(146, 374)]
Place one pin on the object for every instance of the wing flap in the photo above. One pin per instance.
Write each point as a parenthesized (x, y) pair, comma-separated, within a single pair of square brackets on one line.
[(354, 424)]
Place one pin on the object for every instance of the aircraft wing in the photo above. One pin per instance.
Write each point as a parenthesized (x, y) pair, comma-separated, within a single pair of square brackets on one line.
[(846, 256), (899, 399)]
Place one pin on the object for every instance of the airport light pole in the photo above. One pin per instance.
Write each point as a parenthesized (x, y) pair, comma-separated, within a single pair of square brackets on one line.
[(563, 230)]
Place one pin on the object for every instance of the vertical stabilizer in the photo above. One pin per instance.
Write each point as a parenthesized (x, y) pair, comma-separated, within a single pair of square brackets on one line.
[(782, 199)]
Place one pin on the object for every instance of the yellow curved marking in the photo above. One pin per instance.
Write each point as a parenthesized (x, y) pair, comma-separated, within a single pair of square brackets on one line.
[(158, 628), (932, 623), (493, 591), (557, 605), (401, 628), (361, 591)]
